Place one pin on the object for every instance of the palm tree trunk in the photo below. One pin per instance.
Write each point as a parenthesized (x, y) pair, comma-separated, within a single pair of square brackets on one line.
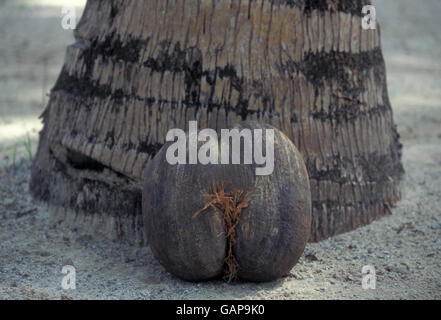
[(140, 68)]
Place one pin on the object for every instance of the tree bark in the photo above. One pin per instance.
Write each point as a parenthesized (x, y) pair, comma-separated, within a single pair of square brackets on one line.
[(140, 68)]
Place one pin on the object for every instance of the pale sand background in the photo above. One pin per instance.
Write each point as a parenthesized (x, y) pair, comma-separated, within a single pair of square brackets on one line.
[(405, 248)]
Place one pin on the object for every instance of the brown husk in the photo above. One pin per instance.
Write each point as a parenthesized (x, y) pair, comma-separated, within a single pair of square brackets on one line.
[(231, 205)]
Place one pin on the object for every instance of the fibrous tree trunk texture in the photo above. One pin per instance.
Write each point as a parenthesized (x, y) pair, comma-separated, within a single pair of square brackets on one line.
[(139, 68)]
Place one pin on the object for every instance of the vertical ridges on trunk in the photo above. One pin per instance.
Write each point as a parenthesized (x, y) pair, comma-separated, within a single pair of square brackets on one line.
[(140, 68)]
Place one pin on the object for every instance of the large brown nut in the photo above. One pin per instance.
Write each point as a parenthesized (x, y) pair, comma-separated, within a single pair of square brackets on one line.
[(192, 220)]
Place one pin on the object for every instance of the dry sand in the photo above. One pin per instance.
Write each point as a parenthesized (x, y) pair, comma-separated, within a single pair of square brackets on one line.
[(404, 247)]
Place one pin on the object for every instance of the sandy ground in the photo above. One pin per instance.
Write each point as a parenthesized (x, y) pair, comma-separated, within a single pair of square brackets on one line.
[(404, 248)]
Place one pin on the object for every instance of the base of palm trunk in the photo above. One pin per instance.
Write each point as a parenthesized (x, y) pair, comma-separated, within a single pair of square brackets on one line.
[(98, 209)]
